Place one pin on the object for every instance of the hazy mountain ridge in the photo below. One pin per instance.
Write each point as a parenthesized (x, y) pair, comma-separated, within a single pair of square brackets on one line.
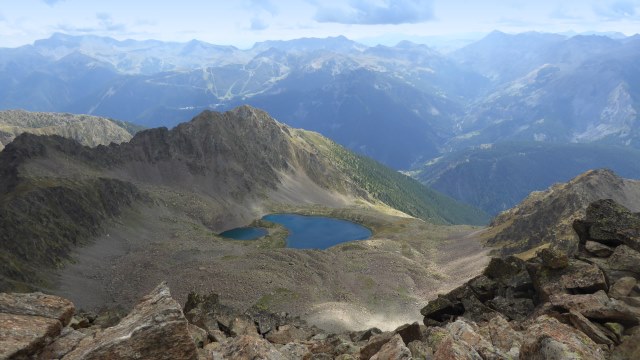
[(87, 130), (523, 87), (497, 177)]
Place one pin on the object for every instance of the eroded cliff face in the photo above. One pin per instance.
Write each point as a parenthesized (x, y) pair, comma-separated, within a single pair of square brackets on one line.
[(546, 217)]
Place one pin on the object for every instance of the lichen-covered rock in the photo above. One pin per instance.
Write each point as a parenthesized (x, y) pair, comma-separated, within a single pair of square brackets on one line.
[(598, 249), (394, 349), (61, 346), (547, 338), (288, 333), (374, 345), (294, 351), (420, 350), (37, 304), (449, 349), (598, 306), (590, 329), (553, 258), (246, 347), (155, 329), (577, 276), (502, 335), (29, 321), (623, 287), (23, 335)]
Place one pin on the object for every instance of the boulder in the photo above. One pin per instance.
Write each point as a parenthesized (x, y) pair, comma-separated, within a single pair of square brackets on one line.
[(242, 325), (468, 332), (501, 269), (553, 258), (61, 346), (288, 333), (598, 307), (293, 351), (583, 277), (246, 347), (613, 224), (37, 304), (29, 321), (547, 338), (628, 349), (622, 287), (441, 309), (420, 350), (155, 329), (393, 349), (449, 349), (364, 335), (513, 308), (23, 335), (577, 276), (483, 287), (598, 249), (591, 330), (374, 345), (622, 263), (502, 335), (409, 332), (199, 336)]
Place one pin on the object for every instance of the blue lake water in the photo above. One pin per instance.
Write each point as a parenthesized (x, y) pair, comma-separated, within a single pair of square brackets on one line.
[(318, 232), (306, 232), (244, 233)]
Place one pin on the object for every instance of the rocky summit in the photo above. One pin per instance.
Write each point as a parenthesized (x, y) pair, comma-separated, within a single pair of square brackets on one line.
[(548, 306)]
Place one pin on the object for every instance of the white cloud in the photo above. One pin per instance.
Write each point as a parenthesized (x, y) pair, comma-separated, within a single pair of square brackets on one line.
[(368, 12)]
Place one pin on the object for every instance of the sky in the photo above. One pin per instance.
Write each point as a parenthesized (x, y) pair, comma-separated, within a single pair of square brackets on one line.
[(243, 22)]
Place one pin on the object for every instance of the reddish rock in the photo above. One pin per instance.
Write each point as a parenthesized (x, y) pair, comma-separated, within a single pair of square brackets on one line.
[(591, 330), (155, 329), (501, 334), (37, 304), (374, 345), (61, 346), (547, 338), (246, 347), (394, 349), (29, 321), (449, 349), (23, 335), (598, 307)]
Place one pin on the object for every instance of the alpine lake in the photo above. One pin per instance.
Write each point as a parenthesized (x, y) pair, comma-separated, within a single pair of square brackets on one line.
[(306, 232)]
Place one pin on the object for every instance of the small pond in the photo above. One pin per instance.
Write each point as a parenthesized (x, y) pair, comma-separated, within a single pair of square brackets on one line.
[(307, 232), (244, 233)]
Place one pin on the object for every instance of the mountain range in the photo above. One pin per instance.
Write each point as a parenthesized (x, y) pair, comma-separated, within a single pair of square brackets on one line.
[(405, 105)]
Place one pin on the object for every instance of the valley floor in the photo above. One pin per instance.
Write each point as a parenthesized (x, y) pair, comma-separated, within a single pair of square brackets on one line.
[(380, 282)]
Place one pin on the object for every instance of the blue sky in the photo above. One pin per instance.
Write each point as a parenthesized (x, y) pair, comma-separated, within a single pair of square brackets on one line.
[(244, 22)]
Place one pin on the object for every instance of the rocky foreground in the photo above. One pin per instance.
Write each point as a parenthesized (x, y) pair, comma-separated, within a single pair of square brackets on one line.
[(551, 306)]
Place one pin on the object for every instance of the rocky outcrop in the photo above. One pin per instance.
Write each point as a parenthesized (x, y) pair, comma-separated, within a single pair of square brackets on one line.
[(551, 306), (546, 217), (29, 321)]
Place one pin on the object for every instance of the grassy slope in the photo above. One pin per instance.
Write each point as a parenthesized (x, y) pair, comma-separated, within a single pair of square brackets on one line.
[(395, 189)]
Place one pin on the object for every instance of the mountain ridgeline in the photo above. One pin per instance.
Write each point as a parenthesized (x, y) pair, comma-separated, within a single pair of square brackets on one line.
[(401, 105), (221, 170)]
